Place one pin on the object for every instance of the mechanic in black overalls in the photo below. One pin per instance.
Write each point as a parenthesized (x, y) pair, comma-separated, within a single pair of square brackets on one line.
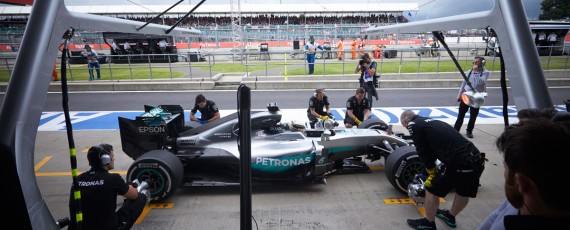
[(461, 169), (99, 191), (357, 109), (317, 103), (208, 109)]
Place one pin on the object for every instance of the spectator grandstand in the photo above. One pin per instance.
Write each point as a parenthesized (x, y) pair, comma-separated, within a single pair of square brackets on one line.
[(285, 22), (279, 25)]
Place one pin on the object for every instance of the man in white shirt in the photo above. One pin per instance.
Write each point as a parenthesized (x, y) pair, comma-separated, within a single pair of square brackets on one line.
[(127, 47), (311, 49), (552, 38), (162, 45)]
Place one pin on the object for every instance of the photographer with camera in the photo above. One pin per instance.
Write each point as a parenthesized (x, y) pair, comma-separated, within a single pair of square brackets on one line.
[(92, 62), (98, 194), (368, 78)]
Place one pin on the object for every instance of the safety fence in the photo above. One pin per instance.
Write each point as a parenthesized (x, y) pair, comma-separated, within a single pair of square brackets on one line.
[(203, 64)]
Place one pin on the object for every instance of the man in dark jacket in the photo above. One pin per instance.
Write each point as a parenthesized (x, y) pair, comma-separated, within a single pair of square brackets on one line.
[(357, 109), (461, 168), (319, 107), (208, 110), (99, 190)]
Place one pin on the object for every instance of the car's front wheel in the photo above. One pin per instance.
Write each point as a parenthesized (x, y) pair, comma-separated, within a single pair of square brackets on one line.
[(401, 167), (162, 170), (373, 123)]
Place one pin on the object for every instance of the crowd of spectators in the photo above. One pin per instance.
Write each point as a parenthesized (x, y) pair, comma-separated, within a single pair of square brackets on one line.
[(8, 22), (265, 19), (254, 20)]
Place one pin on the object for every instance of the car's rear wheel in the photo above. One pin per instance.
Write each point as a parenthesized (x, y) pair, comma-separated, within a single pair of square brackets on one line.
[(401, 167), (162, 170)]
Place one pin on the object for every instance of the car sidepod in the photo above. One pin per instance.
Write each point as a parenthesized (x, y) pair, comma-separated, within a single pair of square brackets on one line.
[(283, 159)]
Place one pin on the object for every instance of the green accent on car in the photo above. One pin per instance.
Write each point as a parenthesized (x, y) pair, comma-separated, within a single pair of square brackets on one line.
[(332, 151)]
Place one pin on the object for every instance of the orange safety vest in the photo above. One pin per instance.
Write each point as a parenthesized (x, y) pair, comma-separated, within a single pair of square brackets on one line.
[(54, 74)]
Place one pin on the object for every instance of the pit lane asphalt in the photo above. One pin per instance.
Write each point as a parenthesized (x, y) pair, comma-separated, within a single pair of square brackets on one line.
[(286, 99), (353, 201)]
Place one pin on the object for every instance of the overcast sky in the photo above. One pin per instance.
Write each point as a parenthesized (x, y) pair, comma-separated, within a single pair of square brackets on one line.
[(167, 2), (452, 7), (436, 7)]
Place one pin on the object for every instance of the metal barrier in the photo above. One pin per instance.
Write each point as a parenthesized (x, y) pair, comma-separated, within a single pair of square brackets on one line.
[(200, 64)]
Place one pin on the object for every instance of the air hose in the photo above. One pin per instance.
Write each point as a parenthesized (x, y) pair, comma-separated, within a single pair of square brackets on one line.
[(72, 151)]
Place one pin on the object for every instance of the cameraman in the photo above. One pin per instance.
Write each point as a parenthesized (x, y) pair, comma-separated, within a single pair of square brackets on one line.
[(367, 79)]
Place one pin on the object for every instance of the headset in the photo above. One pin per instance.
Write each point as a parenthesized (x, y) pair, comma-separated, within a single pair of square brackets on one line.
[(104, 155), (482, 61), (319, 89)]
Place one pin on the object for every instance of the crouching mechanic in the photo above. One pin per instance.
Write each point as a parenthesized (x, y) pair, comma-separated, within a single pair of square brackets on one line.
[(98, 195), (462, 167), (317, 103), (208, 110), (357, 109)]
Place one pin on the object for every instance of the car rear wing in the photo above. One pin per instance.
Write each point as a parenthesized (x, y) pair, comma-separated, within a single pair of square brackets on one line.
[(150, 130)]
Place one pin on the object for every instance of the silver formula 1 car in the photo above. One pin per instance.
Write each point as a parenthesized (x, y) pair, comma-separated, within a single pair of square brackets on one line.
[(169, 153)]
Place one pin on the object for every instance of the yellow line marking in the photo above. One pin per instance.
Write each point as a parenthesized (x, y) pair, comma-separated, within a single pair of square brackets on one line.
[(406, 201), (42, 163), (162, 205), (38, 174), (399, 201), (377, 168), (421, 209), (143, 214), (148, 207)]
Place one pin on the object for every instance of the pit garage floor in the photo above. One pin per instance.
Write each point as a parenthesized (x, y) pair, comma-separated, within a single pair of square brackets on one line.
[(351, 201)]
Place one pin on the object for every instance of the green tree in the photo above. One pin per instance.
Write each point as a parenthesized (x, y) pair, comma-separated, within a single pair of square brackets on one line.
[(555, 10)]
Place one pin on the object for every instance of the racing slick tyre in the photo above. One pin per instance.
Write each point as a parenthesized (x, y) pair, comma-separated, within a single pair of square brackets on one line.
[(374, 123), (401, 167), (162, 170)]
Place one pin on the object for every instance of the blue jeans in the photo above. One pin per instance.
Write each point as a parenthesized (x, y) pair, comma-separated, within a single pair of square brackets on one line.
[(370, 90), (96, 66), (311, 61)]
